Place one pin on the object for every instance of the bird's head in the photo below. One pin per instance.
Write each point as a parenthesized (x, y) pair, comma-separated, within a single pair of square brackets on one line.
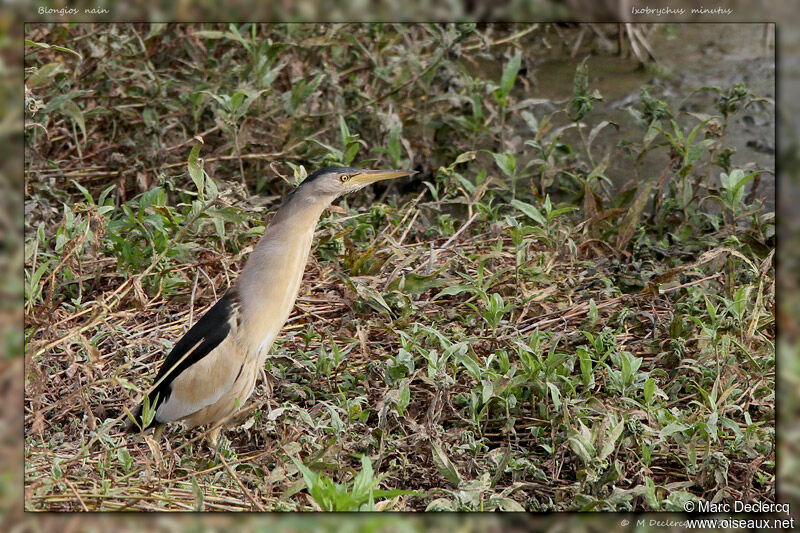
[(331, 182)]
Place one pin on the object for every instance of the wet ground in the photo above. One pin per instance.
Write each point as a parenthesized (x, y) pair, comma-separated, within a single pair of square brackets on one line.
[(690, 56)]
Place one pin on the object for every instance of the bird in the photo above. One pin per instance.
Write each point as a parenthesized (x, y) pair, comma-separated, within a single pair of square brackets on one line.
[(211, 371)]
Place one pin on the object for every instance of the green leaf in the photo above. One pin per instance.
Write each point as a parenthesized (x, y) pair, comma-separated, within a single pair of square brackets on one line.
[(344, 131), (413, 283), (649, 390), (149, 118), (510, 73), (236, 36), (672, 428), (454, 290), (374, 299), (469, 363), (734, 185), (85, 192), (56, 470), (53, 46), (711, 309), (681, 142), (71, 109), (596, 130), (403, 399), (582, 447), (219, 226), (650, 493), (301, 90), (464, 157), (350, 153), (530, 120), (394, 146), (443, 463), (696, 151), (236, 100), (580, 82), (530, 211), (696, 130), (199, 497), (627, 370), (45, 74), (311, 479), (507, 163), (272, 74), (196, 170), (487, 391), (599, 170), (148, 410), (555, 395), (586, 366), (211, 34), (630, 223), (363, 482), (211, 187), (652, 132), (611, 440), (507, 504), (442, 505), (334, 153)]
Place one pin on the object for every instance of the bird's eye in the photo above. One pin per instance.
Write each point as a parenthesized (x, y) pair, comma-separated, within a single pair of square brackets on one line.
[(344, 177)]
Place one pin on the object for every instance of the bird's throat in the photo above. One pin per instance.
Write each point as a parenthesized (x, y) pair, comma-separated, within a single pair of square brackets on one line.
[(271, 278)]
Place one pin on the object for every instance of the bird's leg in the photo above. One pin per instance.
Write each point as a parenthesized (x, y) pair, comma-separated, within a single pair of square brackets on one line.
[(159, 431), (213, 439)]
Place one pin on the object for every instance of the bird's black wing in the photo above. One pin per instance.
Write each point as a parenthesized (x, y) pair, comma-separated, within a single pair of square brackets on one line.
[(200, 340)]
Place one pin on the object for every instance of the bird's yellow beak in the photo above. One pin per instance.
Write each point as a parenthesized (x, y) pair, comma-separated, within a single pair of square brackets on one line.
[(366, 177)]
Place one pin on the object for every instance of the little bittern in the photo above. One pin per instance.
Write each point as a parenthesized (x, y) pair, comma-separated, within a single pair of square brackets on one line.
[(212, 369)]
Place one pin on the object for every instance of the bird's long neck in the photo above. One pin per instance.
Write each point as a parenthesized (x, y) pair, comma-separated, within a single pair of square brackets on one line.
[(271, 278)]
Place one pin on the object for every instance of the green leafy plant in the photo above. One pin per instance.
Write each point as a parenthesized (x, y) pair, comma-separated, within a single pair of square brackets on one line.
[(356, 495)]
